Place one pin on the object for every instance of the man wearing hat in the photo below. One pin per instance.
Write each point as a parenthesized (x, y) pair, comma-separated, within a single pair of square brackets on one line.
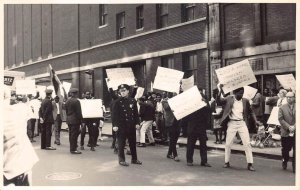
[(236, 115), (46, 118), (125, 122), (74, 119)]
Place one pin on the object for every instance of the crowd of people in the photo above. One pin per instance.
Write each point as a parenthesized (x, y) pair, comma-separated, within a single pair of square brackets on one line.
[(150, 118)]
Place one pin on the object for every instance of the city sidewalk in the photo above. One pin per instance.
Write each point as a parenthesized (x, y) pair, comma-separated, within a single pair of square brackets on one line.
[(267, 152)]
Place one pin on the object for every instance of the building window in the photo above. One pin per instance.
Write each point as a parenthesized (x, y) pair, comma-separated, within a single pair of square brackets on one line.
[(190, 65), (140, 17), (102, 15), (167, 62), (121, 25), (188, 12), (162, 15)]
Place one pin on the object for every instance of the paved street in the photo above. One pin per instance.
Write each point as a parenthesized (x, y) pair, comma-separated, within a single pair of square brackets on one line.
[(100, 168)]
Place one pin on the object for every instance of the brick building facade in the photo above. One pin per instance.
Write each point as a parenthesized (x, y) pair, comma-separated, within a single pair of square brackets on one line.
[(194, 38), (78, 38), (263, 33)]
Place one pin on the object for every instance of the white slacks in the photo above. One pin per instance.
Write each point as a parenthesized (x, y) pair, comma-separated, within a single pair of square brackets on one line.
[(241, 128), (145, 129)]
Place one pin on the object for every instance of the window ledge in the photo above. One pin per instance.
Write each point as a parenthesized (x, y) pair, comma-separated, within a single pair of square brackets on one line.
[(140, 29), (103, 26)]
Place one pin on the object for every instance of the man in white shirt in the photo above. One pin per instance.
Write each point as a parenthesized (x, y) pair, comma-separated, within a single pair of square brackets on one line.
[(236, 116)]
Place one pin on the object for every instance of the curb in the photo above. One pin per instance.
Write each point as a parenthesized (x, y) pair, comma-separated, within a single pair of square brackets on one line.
[(211, 148)]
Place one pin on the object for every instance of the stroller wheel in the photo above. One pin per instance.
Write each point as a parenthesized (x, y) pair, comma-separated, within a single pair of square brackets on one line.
[(274, 144), (261, 145)]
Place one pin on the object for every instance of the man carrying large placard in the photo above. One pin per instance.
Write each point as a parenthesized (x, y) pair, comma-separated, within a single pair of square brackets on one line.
[(237, 111)]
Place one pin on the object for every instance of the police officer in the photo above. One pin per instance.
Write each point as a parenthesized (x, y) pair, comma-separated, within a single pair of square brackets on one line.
[(74, 119), (46, 118), (125, 122)]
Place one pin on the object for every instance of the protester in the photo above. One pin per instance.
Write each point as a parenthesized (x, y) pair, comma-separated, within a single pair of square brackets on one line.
[(236, 115), (35, 105), (147, 114), (198, 122), (287, 119), (57, 116), (114, 96), (125, 121), (217, 112), (159, 119), (19, 156), (282, 99), (46, 118), (257, 107), (172, 125), (74, 119)]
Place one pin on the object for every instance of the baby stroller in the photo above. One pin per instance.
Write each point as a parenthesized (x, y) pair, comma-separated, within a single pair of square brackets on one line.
[(265, 137)]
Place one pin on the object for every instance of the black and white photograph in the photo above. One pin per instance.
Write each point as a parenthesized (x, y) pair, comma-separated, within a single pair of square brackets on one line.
[(149, 94)]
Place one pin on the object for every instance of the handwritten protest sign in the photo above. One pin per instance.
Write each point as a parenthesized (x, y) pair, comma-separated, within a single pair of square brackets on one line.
[(25, 87), (273, 119), (139, 92), (167, 79), (249, 92), (67, 86), (287, 81), (236, 75), (41, 90), (91, 108), (119, 76), (187, 83), (182, 107)]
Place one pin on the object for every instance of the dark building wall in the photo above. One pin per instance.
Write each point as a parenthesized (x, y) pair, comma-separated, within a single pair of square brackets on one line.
[(19, 33), (244, 25), (10, 35), (27, 32), (36, 32), (65, 28), (46, 30)]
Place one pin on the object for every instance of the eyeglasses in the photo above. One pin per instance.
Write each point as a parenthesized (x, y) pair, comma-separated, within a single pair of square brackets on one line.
[(123, 90)]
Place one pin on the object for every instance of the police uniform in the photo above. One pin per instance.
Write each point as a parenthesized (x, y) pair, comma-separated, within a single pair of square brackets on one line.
[(126, 118), (47, 116), (74, 118)]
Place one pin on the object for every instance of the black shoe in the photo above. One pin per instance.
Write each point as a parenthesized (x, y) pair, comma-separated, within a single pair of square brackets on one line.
[(75, 152), (250, 167), (226, 165), (136, 162), (58, 143), (170, 156), (88, 145), (32, 140), (152, 144), (189, 164), (284, 165), (205, 164), (123, 163), (116, 151), (97, 145), (92, 149), (176, 159), (50, 148), (142, 145)]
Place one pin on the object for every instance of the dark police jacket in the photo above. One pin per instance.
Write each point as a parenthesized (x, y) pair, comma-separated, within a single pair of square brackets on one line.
[(147, 111), (125, 114), (46, 110), (73, 111)]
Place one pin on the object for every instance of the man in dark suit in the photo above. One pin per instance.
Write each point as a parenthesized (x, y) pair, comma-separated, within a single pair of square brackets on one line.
[(125, 121), (236, 116), (197, 123), (287, 119), (57, 115), (46, 118), (74, 119)]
